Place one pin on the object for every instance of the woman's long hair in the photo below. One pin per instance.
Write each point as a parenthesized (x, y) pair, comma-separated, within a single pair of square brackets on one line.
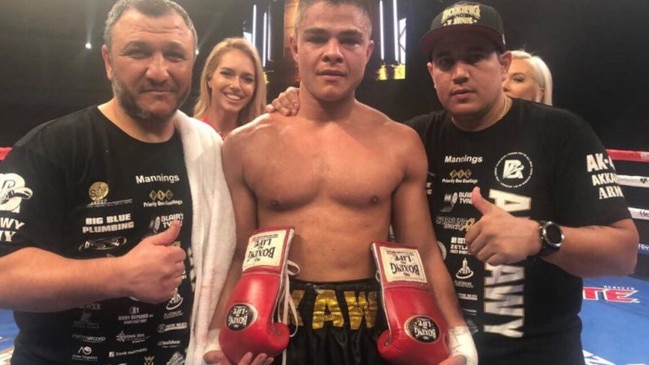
[(258, 102)]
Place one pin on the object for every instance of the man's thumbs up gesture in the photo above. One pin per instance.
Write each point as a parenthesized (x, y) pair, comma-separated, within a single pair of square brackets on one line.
[(152, 270), (499, 237)]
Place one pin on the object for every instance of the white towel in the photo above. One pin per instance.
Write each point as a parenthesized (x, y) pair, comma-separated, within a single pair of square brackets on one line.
[(213, 230)]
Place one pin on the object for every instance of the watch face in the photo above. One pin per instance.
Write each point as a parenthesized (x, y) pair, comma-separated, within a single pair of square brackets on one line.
[(553, 234)]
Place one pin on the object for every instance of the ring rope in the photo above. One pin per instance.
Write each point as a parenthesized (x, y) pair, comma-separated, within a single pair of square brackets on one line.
[(621, 155), (638, 213), (635, 181)]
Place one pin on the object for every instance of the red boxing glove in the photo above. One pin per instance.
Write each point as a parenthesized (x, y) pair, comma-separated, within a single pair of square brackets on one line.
[(249, 324), (417, 334)]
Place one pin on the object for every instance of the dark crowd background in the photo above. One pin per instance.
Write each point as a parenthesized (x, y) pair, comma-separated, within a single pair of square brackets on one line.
[(597, 51)]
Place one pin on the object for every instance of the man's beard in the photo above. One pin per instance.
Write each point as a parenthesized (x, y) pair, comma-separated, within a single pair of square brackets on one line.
[(128, 103)]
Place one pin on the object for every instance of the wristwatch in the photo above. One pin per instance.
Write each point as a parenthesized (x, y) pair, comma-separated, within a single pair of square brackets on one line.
[(551, 238)]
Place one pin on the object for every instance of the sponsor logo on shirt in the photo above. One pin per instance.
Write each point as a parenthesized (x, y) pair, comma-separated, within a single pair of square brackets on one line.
[(128, 353), (514, 170), (161, 198), (132, 338), (172, 327), (12, 192), (467, 296), (134, 317), (459, 176), (103, 244), (85, 321), (603, 176), (451, 199), (142, 179), (165, 221), (88, 339), (174, 302), (168, 343), (457, 246), (464, 272), (98, 191), (85, 354), (455, 223), (463, 159), (173, 314), (110, 223)]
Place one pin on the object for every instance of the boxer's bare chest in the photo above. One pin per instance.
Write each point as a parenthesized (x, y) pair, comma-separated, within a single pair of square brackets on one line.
[(338, 168)]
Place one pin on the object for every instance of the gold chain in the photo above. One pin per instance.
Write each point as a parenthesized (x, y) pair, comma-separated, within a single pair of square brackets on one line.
[(505, 107)]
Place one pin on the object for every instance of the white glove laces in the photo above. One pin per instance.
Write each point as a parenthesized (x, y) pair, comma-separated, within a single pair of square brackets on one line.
[(286, 301)]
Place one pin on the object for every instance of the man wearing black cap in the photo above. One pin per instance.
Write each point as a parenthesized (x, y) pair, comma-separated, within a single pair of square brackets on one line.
[(554, 212)]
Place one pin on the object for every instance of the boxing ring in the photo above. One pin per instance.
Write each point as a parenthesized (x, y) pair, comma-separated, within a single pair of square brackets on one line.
[(633, 176), (615, 313)]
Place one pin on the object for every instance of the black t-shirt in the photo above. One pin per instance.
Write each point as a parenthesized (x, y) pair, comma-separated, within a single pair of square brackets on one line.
[(538, 162), (82, 188)]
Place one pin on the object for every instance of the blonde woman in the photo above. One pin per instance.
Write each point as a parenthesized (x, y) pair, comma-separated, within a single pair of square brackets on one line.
[(232, 86), (528, 78)]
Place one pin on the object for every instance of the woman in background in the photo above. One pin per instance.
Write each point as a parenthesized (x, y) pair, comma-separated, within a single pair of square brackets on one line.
[(528, 78), (232, 86)]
